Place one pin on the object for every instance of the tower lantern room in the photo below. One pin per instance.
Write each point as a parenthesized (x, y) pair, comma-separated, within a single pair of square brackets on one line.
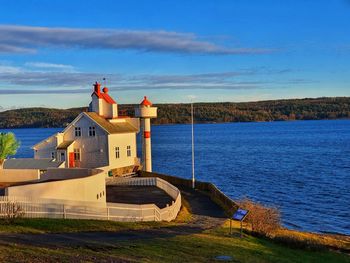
[(145, 112)]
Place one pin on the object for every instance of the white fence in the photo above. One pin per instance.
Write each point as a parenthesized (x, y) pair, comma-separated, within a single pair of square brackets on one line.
[(49, 208)]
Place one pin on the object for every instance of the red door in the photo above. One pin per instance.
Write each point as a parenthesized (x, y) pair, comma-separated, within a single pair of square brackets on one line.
[(71, 159)]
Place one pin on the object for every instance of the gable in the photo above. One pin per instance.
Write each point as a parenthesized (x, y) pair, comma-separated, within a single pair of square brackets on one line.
[(51, 141), (83, 122)]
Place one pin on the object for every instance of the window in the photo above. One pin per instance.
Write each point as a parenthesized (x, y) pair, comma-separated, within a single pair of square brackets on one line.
[(77, 131), (53, 155), (92, 131), (62, 157), (76, 154), (128, 150), (117, 153)]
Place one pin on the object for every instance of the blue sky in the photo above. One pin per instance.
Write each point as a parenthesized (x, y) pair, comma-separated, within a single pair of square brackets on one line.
[(173, 51)]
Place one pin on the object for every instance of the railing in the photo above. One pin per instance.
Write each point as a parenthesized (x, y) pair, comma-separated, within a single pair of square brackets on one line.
[(209, 188), (52, 208), (165, 214)]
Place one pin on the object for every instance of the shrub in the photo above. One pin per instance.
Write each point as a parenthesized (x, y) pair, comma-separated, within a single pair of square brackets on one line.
[(263, 220), (10, 211)]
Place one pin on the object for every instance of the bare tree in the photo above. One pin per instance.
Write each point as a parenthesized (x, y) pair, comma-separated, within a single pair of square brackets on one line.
[(10, 211)]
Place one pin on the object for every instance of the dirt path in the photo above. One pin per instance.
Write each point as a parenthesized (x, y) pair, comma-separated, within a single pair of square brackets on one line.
[(206, 215)]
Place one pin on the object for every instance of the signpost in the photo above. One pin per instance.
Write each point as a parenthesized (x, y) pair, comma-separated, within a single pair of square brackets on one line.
[(239, 215)]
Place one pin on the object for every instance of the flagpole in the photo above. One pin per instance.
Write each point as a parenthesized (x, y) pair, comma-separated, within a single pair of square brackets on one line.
[(193, 179)]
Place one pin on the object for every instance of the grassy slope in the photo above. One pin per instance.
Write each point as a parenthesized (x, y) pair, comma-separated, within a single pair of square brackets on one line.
[(201, 247), (41, 226)]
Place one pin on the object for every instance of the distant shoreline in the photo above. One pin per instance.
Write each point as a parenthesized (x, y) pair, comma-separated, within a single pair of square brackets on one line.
[(327, 108), (198, 123)]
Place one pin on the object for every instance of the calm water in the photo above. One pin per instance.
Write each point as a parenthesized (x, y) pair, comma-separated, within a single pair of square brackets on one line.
[(301, 167)]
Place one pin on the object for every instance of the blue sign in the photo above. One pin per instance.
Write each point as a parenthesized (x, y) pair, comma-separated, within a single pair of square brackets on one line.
[(240, 214)]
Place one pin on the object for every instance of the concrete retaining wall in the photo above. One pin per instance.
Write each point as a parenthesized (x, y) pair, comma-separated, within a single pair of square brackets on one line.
[(18, 175), (67, 173), (88, 189)]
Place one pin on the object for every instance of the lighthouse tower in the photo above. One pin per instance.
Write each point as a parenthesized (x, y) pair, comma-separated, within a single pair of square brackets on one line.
[(145, 111)]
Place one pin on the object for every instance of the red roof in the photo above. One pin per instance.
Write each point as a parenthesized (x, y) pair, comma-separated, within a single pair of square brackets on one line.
[(101, 95), (146, 102), (106, 97)]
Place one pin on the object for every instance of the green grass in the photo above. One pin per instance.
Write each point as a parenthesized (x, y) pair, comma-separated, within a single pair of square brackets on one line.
[(43, 225), (205, 247), (202, 247), (182, 247)]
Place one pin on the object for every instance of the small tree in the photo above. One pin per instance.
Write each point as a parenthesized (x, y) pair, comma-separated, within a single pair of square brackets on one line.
[(8, 146), (263, 220)]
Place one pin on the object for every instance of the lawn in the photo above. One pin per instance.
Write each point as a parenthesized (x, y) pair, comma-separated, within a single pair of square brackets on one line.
[(198, 247), (43, 225), (173, 246)]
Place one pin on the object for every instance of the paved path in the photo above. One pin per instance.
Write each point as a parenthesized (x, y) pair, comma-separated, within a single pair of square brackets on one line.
[(137, 195), (206, 215)]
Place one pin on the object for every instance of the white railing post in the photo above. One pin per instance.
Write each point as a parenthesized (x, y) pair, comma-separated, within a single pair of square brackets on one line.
[(107, 213)]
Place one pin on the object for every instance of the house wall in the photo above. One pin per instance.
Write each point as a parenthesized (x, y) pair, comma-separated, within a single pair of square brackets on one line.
[(18, 175), (88, 189), (95, 103), (106, 109), (122, 141), (114, 108), (94, 150)]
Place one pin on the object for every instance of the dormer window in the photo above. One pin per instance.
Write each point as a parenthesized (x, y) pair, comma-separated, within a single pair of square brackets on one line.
[(92, 131), (77, 131)]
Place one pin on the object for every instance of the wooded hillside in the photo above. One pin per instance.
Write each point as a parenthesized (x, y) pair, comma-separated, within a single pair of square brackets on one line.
[(274, 110)]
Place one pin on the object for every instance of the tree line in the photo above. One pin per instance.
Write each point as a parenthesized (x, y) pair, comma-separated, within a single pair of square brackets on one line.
[(272, 110)]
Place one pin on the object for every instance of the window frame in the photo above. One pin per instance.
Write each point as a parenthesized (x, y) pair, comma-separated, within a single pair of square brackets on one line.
[(117, 152), (128, 151), (77, 153), (92, 131), (77, 131), (63, 154)]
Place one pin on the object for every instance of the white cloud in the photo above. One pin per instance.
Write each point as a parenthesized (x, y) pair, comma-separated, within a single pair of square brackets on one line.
[(16, 39), (4, 69), (49, 66)]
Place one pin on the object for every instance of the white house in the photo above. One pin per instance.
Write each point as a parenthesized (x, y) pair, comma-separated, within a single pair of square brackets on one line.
[(98, 138)]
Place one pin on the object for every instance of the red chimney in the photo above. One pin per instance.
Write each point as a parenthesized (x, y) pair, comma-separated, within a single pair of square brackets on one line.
[(97, 88)]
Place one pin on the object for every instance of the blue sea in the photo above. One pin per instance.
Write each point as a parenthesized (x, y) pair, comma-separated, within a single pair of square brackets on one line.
[(301, 167)]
